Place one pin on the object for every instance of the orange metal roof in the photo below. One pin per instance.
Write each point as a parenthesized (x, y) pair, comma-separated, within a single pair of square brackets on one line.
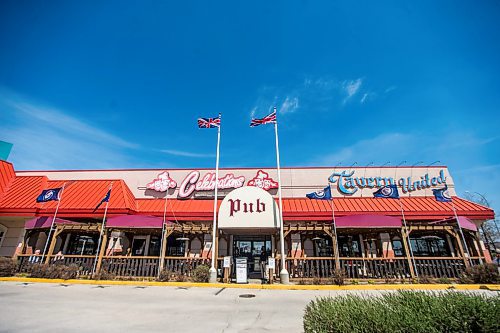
[(7, 174), (81, 197), (415, 208), (78, 199)]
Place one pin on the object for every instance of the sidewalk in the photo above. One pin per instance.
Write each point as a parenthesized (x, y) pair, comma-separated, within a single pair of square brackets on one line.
[(491, 287)]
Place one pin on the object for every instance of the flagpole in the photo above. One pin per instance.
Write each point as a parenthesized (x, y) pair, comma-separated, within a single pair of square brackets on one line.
[(163, 231), (213, 271), (103, 226), (53, 223), (461, 233), (335, 246), (284, 276), (407, 236)]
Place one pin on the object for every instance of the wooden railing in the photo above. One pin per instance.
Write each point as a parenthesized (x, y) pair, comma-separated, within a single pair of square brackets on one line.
[(440, 267), (310, 267), (131, 266), (184, 266), (84, 263)]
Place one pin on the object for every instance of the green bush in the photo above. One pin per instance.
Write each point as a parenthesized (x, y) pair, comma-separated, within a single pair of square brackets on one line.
[(54, 271), (7, 267), (338, 277), (404, 311), (487, 273), (201, 273), (166, 275), (104, 274)]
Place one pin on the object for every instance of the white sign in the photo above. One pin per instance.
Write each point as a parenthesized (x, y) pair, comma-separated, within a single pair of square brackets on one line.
[(162, 183), (241, 270), (227, 262), (193, 182), (271, 263), (248, 207)]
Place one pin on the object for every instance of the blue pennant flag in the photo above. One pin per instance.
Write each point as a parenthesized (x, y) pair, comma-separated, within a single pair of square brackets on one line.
[(105, 199), (48, 195), (442, 194), (388, 192), (324, 194)]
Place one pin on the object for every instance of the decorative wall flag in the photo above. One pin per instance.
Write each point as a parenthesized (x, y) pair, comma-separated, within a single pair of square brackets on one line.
[(324, 194), (388, 192), (48, 195), (269, 119), (105, 199), (209, 122), (442, 194)]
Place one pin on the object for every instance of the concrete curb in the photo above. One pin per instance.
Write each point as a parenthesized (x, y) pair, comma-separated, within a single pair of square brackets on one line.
[(491, 287)]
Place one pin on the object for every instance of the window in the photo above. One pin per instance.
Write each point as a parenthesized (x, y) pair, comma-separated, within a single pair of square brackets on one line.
[(397, 247), (82, 245), (429, 246), (349, 246)]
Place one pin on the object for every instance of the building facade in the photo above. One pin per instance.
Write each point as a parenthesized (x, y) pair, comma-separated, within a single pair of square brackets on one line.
[(162, 219)]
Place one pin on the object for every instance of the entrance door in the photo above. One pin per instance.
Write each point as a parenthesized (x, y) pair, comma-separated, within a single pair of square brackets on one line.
[(251, 247)]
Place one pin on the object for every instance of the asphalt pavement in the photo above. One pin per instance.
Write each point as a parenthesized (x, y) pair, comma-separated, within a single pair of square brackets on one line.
[(46, 307)]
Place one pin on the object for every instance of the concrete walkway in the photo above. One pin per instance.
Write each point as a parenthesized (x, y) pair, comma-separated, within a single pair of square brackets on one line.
[(59, 307)]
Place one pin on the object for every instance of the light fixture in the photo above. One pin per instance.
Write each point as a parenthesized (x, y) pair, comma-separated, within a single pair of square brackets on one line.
[(430, 237), (182, 239), (316, 238)]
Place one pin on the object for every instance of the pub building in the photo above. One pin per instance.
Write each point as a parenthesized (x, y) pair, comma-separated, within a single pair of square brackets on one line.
[(162, 219)]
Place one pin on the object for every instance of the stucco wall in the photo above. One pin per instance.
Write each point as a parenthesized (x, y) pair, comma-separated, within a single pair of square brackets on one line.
[(14, 235)]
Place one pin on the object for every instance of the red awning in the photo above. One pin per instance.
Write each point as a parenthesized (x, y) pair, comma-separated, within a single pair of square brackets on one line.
[(368, 221), (135, 221), (467, 223), (43, 222)]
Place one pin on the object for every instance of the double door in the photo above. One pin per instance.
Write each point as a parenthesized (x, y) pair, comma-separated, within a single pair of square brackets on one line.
[(251, 247)]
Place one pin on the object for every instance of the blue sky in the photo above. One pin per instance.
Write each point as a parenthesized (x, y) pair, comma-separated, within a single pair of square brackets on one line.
[(92, 84)]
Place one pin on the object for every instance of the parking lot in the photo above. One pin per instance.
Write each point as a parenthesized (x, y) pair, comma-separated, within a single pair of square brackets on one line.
[(33, 307)]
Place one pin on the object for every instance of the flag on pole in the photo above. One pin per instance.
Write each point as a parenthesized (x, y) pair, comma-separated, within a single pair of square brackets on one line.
[(324, 194), (442, 194), (387, 192), (269, 119), (105, 199), (48, 195), (209, 122)]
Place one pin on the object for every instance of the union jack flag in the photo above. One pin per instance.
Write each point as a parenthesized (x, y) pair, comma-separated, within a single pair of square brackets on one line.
[(269, 119), (209, 122)]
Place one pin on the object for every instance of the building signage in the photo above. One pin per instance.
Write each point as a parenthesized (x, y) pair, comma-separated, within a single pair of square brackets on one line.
[(192, 183), (347, 184), (263, 181), (162, 183), (248, 207)]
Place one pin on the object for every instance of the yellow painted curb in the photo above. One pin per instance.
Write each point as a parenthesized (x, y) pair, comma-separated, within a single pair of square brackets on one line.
[(492, 287)]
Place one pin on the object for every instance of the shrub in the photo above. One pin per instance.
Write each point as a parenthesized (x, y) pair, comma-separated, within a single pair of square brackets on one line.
[(183, 278), (338, 277), (317, 281), (104, 274), (404, 311), (166, 275), (54, 271), (7, 267), (201, 273), (444, 280), (425, 279), (487, 273)]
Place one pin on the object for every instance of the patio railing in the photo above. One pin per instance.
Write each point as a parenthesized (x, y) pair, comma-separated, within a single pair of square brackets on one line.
[(309, 267)]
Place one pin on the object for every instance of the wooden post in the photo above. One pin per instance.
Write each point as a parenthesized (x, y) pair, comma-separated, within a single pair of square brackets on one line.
[(53, 242), (335, 247), (407, 251), (104, 245), (479, 248), (163, 249), (460, 248)]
